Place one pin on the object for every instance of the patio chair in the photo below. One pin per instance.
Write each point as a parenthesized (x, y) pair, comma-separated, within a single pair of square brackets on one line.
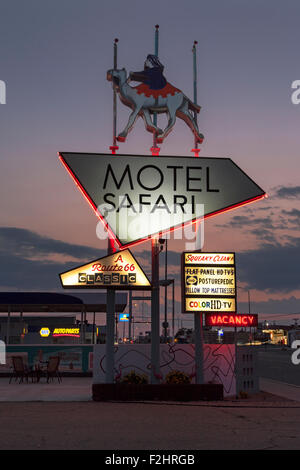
[(52, 368), (20, 370)]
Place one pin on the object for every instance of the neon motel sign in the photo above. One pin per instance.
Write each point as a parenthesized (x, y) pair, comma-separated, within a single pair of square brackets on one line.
[(137, 198)]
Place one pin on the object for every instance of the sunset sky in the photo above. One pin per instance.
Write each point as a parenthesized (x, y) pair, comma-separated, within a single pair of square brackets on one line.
[(53, 59)]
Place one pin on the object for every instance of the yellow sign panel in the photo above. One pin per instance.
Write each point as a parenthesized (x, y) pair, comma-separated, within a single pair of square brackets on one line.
[(119, 270), (207, 304)]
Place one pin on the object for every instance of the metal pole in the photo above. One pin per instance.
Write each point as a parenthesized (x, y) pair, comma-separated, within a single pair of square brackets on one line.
[(155, 308), (156, 40), (249, 310), (94, 321), (155, 316), (198, 317), (84, 327), (195, 90), (173, 309), (8, 325), (110, 324), (81, 326), (130, 315), (166, 291), (117, 333), (114, 146), (110, 293)]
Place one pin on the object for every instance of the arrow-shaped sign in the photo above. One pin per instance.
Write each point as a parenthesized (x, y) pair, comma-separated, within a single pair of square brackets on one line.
[(119, 270), (139, 196)]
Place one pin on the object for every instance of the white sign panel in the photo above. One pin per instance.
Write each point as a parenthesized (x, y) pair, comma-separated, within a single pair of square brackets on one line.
[(140, 196), (209, 280), (207, 304)]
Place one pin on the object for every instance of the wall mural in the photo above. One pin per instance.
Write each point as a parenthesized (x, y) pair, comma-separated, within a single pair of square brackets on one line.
[(219, 362)]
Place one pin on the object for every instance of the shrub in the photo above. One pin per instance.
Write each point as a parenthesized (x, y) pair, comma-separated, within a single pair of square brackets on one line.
[(134, 378), (177, 377)]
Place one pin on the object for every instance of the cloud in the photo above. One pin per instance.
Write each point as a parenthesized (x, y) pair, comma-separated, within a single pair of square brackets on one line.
[(272, 268), (293, 216), (241, 221), (290, 305), (28, 244), (265, 235), (288, 192), (24, 259)]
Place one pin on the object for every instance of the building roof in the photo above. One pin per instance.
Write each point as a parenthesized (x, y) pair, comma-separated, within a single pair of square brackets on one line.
[(57, 302)]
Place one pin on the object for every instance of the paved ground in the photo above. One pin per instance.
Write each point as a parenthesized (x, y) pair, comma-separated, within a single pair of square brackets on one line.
[(275, 363), (132, 426), (41, 416), (70, 389), (63, 416)]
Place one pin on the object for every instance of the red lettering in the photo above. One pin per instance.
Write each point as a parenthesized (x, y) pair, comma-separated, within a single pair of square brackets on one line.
[(230, 320)]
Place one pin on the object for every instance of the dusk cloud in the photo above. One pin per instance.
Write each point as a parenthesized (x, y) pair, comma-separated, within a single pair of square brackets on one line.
[(244, 220), (272, 268), (288, 192), (28, 244), (24, 259)]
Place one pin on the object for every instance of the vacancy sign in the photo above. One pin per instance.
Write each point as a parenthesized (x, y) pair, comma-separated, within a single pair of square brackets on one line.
[(139, 196), (208, 282), (241, 320), (119, 270)]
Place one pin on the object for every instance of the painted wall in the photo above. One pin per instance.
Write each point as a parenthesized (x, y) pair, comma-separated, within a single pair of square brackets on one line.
[(219, 362)]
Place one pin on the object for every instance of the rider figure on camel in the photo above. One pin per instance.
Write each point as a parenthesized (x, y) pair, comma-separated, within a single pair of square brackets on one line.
[(152, 75)]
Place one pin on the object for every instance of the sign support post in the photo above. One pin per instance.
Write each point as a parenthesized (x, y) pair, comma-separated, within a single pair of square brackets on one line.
[(155, 307), (110, 324), (130, 316), (110, 293), (198, 317), (155, 317)]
